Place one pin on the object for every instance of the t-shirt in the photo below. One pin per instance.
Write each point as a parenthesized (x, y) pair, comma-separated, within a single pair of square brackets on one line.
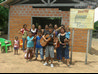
[(50, 43), (62, 38), (38, 45), (34, 32), (16, 43), (24, 32), (46, 31), (68, 35), (30, 42)]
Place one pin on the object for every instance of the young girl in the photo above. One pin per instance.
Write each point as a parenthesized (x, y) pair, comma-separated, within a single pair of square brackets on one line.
[(16, 45), (30, 45), (34, 32)]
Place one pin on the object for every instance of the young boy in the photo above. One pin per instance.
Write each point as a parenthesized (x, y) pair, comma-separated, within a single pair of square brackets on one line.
[(38, 46), (49, 47), (30, 45)]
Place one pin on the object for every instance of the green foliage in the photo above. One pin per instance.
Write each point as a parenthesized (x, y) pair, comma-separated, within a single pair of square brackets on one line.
[(96, 25), (4, 17), (2, 1)]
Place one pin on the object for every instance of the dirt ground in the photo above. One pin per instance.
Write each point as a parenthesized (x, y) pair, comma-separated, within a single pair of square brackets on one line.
[(10, 63)]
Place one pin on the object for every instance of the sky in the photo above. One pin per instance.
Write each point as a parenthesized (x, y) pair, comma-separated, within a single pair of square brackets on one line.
[(96, 14)]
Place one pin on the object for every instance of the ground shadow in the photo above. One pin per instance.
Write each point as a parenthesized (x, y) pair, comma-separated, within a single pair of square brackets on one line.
[(89, 62), (93, 51)]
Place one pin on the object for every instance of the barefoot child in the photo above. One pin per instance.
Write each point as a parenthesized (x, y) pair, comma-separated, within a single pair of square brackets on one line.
[(16, 45), (30, 45), (38, 46)]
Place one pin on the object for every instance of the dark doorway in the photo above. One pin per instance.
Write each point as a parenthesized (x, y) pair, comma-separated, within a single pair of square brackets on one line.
[(46, 21)]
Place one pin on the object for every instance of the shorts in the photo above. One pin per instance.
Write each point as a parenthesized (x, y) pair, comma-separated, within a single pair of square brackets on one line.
[(49, 51), (16, 48), (29, 48)]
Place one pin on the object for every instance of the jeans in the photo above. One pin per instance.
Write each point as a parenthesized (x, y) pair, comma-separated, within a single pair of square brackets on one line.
[(62, 50), (41, 52), (67, 52), (24, 39), (58, 51)]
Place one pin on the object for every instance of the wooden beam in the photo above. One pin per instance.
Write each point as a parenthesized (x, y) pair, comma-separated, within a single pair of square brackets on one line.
[(57, 4), (23, 1), (43, 1), (53, 1)]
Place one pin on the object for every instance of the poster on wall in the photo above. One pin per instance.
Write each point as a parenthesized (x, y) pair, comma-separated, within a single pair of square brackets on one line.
[(82, 18)]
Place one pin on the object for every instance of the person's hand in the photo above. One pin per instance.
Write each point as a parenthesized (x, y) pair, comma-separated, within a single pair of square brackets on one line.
[(43, 36), (46, 40), (65, 40), (54, 33)]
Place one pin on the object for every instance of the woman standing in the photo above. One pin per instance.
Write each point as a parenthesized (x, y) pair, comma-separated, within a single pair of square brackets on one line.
[(34, 32), (64, 46), (24, 35)]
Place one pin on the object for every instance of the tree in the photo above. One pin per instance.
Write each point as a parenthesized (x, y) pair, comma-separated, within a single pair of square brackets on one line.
[(96, 25), (4, 18), (2, 1)]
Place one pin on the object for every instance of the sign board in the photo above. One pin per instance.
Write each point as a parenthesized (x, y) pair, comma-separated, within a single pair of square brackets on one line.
[(82, 18)]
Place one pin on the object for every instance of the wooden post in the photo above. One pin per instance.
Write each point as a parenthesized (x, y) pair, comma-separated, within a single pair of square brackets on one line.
[(72, 45)]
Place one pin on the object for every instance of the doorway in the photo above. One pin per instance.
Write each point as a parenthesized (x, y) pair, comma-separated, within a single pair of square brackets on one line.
[(46, 21)]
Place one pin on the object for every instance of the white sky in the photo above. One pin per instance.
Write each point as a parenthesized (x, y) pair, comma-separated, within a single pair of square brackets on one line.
[(96, 14)]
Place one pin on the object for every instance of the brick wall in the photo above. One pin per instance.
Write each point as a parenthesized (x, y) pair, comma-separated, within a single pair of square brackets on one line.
[(20, 15)]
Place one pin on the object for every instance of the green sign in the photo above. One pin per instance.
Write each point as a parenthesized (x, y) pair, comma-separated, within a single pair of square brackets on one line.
[(2, 1)]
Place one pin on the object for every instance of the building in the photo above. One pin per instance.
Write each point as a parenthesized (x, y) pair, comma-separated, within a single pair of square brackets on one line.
[(22, 12)]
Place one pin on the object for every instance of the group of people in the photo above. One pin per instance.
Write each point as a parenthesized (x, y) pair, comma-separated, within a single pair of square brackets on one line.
[(60, 38)]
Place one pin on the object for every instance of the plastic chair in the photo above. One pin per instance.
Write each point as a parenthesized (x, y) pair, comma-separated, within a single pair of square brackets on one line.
[(10, 44), (3, 45), (2, 39)]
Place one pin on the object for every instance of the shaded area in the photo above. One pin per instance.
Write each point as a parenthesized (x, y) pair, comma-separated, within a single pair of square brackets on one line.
[(94, 51), (46, 20)]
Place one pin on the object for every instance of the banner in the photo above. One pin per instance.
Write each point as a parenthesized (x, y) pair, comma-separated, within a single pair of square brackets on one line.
[(82, 18)]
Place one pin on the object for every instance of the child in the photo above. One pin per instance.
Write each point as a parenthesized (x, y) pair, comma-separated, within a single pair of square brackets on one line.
[(67, 46), (68, 33), (30, 45), (38, 46), (49, 47), (16, 45)]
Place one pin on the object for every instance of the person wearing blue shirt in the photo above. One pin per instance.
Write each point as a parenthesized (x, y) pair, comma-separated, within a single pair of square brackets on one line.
[(38, 46)]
